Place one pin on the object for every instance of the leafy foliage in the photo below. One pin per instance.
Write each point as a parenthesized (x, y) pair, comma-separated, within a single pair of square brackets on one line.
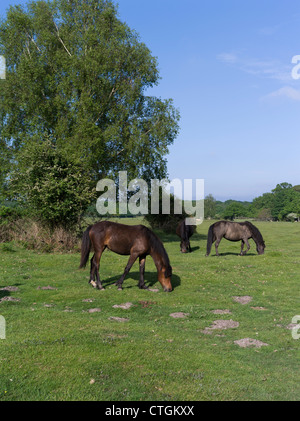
[(51, 184), (78, 76), (283, 203), (210, 206)]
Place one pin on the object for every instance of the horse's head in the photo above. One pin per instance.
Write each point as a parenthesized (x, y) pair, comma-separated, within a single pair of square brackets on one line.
[(185, 246), (164, 277), (260, 248)]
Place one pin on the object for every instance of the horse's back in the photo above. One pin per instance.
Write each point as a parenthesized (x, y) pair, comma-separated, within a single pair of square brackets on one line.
[(179, 228), (233, 231), (183, 230), (120, 238)]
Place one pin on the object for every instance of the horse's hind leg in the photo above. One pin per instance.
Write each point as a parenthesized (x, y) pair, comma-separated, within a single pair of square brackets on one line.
[(217, 245), (92, 273), (95, 264), (131, 261), (141, 283)]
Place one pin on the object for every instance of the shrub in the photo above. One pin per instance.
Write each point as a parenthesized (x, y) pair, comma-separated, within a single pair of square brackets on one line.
[(53, 185), (34, 235)]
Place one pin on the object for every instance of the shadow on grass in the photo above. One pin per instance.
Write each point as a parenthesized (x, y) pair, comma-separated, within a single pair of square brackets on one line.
[(232, 254), (5, 291), (172, 238), (150, 280)]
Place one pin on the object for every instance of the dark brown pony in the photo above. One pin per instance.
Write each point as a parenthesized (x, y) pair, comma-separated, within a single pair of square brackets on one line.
[(137, 241), (234, 231), (185, 232)]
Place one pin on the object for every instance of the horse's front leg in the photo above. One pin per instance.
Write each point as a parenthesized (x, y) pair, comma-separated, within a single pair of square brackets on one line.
[(131, 261), (242, 248), (141, 283), (245, 241)]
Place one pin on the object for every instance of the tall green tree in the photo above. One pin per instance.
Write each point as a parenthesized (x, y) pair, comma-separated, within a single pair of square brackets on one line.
[(234, 210), (282, 201), (79, 76), (210, 207)]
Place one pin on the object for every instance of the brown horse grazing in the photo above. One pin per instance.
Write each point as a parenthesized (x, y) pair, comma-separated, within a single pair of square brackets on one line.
[(137, 241), (235, 231), (185, 232)]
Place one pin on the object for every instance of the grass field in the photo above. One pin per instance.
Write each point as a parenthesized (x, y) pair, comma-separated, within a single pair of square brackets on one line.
[(55, 349)]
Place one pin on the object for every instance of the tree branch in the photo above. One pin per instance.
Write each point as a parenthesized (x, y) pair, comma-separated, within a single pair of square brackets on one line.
[(101, 113), (64, 45)]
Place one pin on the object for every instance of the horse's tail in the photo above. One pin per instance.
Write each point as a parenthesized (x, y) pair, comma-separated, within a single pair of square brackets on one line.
[(85, 247), (210, 239)]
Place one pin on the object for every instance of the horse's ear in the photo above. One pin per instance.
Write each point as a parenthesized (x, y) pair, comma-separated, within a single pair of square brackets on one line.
[(168, 271)]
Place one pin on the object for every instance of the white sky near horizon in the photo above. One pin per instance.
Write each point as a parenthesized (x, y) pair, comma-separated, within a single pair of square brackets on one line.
[(228, 67)]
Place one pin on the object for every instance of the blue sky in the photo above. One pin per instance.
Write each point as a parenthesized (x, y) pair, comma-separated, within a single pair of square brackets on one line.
[(228, 67)]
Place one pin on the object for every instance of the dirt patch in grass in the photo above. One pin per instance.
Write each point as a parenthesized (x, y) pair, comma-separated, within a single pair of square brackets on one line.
[(293, 326), (94, 310), (221, 325), (10, 289), (221, 312), (259, 308), (119, 319), (179, 315), (125, 306), (243, 299), (250, 343), (9, 299), (146, 304)]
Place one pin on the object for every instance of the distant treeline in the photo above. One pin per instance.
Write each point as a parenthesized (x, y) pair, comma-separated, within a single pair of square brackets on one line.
[(281, 204)]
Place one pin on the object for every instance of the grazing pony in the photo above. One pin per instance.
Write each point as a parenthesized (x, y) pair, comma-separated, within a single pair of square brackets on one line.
[(234, 231), (185, 232), (137, 241)]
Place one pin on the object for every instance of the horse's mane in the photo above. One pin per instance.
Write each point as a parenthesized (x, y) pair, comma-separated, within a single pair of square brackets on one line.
[(158, 247), (256, 235)]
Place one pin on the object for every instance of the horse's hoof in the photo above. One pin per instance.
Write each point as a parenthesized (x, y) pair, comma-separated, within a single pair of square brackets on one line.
[(93, 283)]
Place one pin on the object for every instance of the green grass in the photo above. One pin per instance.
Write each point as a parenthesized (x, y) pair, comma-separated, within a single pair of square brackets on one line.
[(62, 352)]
